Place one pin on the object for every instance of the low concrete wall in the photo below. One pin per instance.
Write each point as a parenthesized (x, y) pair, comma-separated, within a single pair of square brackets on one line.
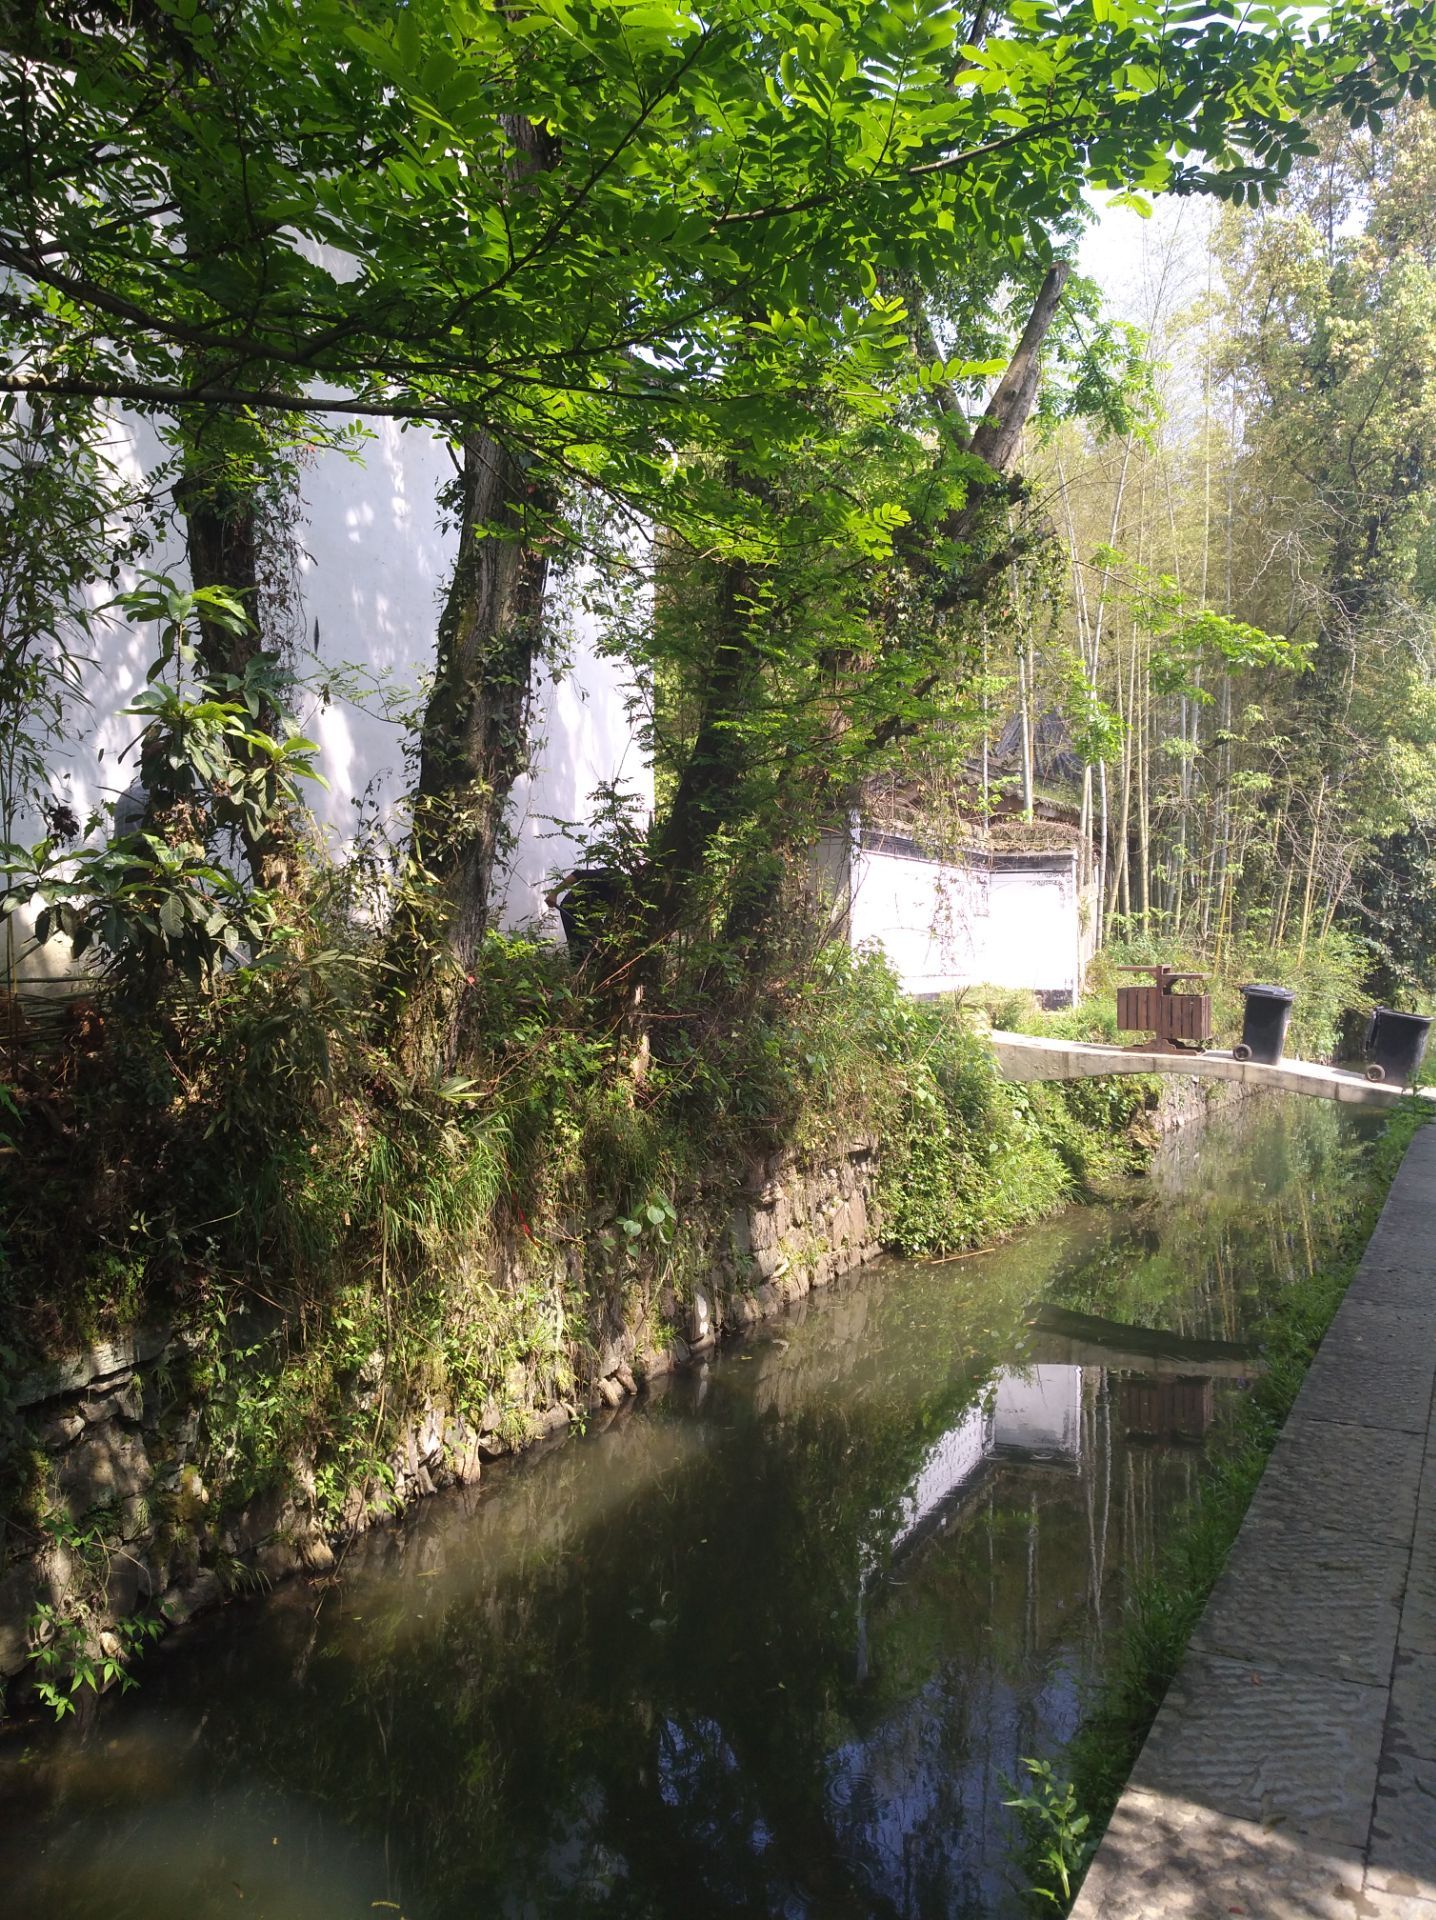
[(1028, 1056)]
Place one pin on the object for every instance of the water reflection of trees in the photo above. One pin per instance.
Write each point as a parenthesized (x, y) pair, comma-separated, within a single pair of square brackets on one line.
[(675, 1668), (1231, 1215)]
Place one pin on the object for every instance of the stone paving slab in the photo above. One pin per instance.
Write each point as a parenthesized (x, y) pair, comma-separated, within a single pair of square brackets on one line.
[(1407, 1297), (1164, 1855), (1327, 1602), (1029, 1056), (1368, 1393), (1381, 1331), (1397, 1283), (1298, 1780), (1321, 1474), (1401, 1852), (1418, 1609), (1375, 1905), (1411, 1717), (1213, 1741)]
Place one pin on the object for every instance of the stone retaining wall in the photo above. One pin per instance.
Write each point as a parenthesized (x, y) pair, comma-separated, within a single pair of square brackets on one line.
[(122, 1447), (122, 1451), (1185, 1098)]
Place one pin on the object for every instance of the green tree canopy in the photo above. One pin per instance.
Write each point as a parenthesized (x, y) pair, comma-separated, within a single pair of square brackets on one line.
[(239, 203)]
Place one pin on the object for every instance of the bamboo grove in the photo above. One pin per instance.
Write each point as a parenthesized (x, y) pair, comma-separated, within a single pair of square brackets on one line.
[(1280, 488)]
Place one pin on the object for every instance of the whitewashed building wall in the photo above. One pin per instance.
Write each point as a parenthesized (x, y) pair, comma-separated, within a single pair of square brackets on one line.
[(1000, 919), (373, 565)]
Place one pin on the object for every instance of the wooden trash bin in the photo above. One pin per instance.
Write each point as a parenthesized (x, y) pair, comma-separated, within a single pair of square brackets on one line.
[(1179, 1022), (1161, 1409)]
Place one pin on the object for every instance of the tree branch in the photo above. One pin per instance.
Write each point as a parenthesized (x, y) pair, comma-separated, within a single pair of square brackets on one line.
[(998, 432), (144, 393)]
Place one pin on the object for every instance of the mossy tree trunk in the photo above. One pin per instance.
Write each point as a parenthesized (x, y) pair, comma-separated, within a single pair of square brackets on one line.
[(473, 740)]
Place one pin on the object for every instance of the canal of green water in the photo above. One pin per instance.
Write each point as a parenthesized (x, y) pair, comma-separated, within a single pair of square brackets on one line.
[(768, 1643)]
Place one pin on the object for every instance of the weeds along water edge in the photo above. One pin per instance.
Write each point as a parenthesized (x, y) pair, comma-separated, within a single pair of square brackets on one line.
[(1063, 1808)]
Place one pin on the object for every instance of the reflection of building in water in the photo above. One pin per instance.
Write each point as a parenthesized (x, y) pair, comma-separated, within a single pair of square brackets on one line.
[(1029, 1413), (1157, 1409), (1039, 1415), (951, 1463)]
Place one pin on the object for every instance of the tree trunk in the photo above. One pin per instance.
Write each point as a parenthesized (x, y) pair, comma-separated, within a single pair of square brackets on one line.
[(998, 432), (707, 794), (474, 739), (1309, 888), (222, 536), (224, 459)]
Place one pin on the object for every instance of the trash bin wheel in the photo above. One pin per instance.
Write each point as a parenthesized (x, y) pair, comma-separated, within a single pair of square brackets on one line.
[(1376, 1073), (1241, 1051)]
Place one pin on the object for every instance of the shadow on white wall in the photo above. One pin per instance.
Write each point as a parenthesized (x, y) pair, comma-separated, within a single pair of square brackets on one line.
[(371, 567)]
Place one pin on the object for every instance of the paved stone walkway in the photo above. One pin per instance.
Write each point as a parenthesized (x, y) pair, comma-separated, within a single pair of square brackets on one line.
[(1291, 1773)]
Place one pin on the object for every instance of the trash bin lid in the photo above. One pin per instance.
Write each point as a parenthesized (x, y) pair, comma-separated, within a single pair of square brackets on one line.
[(1418, 1019), (1270, 993)]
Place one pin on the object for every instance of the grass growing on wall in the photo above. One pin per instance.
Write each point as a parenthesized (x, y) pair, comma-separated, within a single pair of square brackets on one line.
[(250, 1165)]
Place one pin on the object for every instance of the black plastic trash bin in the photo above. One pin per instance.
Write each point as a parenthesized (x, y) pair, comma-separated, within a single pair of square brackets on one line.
[(1394, 1044), (1264, 1024)]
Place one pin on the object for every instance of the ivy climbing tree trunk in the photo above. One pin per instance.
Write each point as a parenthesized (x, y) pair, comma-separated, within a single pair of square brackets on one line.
[(733, 756), (707, 796), (473, 741), (225, 461), (222, 536)]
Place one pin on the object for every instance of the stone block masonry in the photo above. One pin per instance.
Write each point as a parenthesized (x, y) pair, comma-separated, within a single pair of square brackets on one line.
[(121, 1445), (1291, 1772), (121, 1449)]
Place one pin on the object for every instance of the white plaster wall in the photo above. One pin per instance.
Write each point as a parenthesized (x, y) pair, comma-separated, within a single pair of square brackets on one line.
[(1039, 1411), (376, 570), (373, 566), (95, 764), (830, 879), (582, 738), (926, 917), (1032, 930), (944, 927)]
